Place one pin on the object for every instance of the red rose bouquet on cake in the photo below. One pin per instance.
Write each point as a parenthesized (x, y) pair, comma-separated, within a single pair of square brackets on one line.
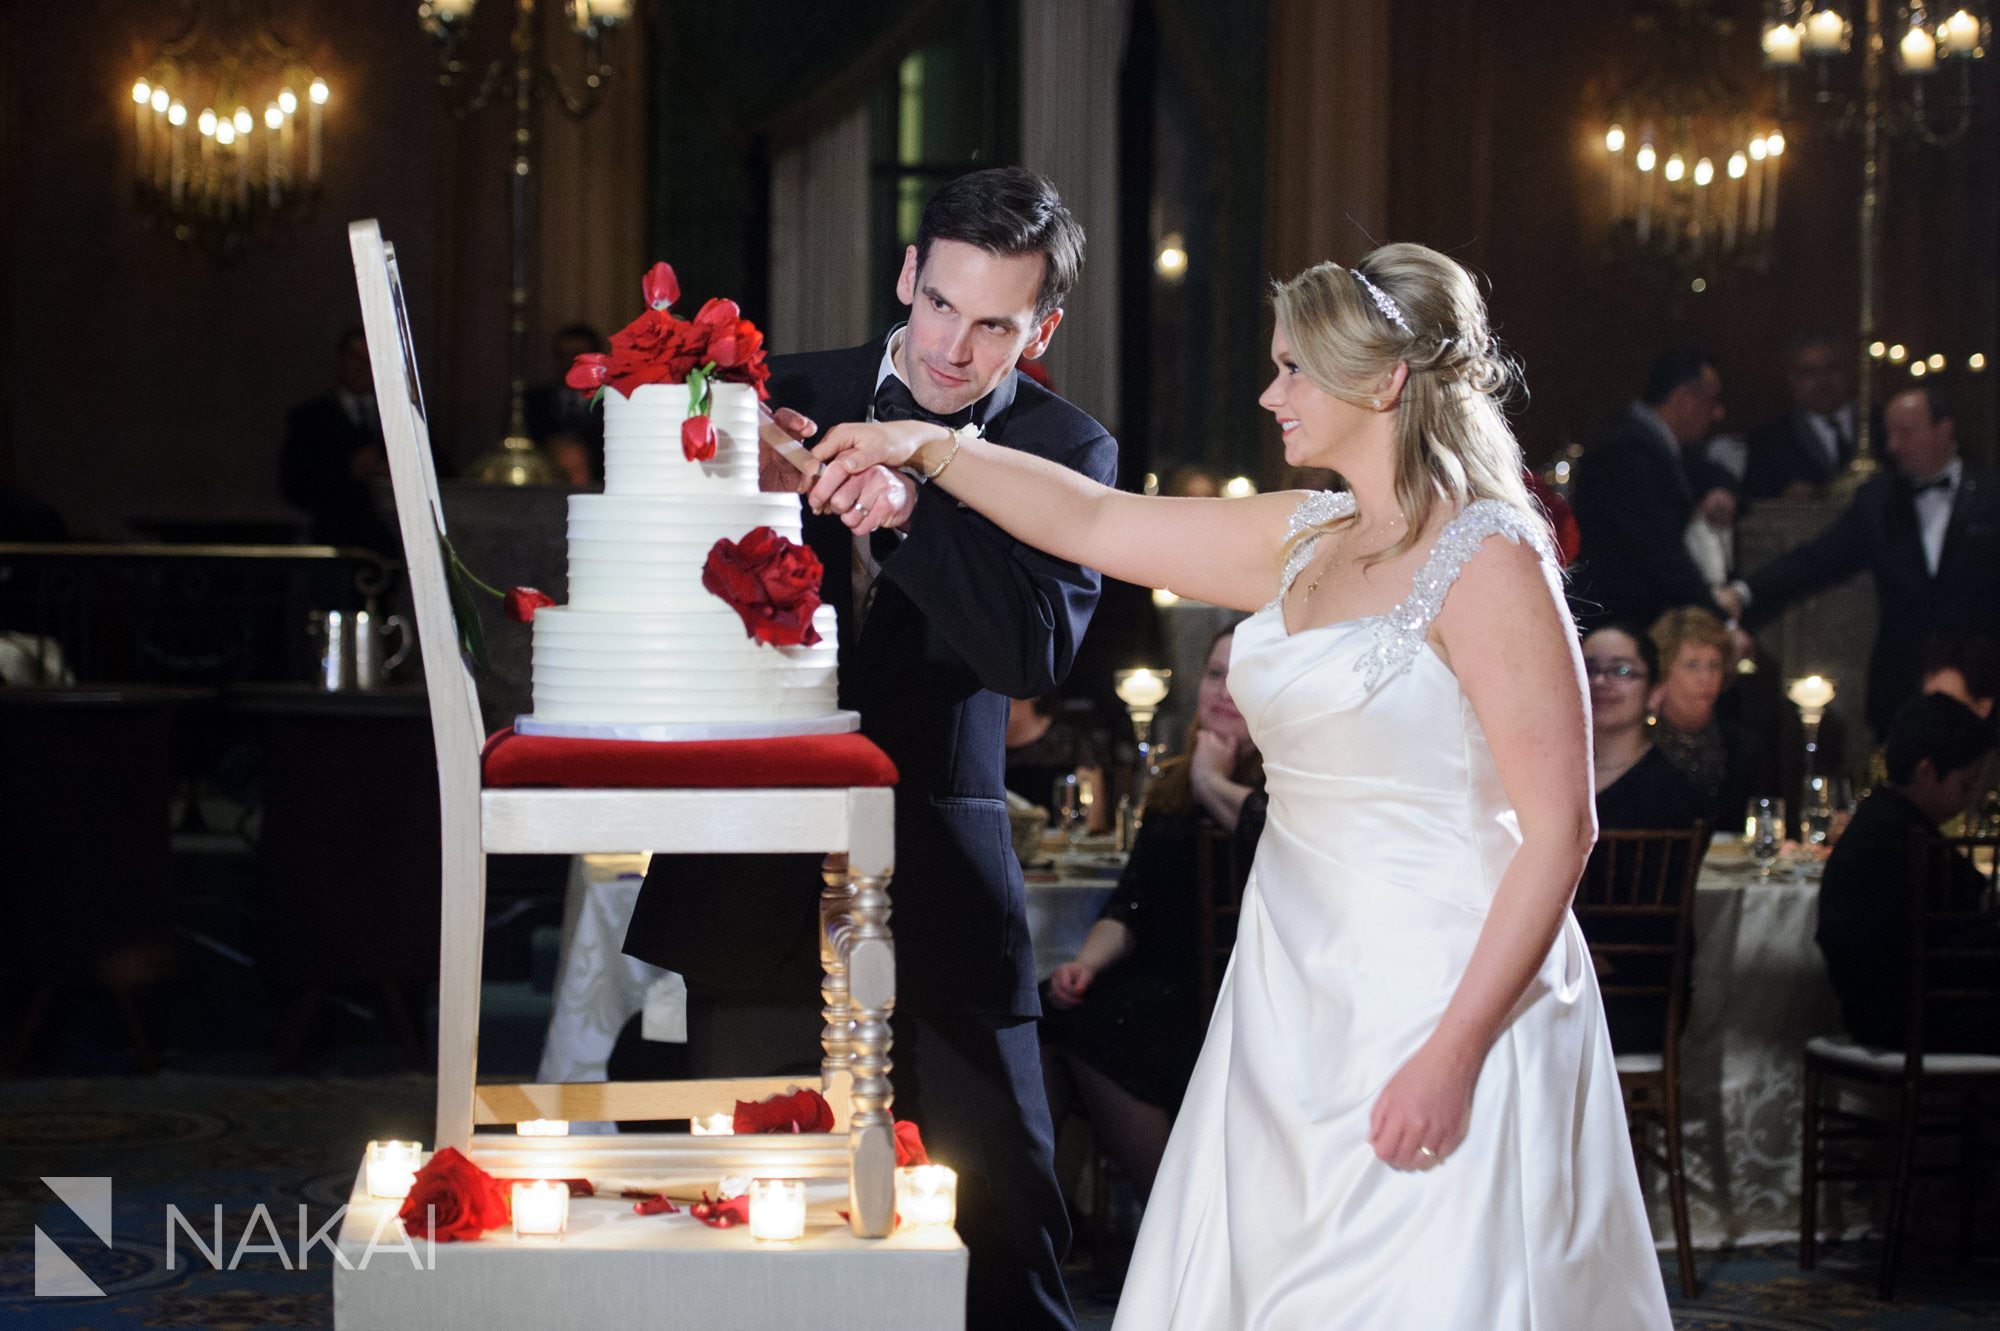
[(657, 348)]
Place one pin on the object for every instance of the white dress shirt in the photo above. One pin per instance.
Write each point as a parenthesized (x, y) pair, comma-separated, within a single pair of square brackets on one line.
[(1934, 512)]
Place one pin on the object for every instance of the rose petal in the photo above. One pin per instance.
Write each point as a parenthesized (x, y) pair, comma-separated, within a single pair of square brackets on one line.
[(660, 287)]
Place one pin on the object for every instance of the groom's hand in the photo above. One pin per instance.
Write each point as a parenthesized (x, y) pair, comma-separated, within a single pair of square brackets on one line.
[(865, 500), (775, 472)]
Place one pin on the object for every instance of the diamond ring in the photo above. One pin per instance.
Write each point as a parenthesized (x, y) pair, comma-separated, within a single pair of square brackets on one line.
[(1427, 1153)]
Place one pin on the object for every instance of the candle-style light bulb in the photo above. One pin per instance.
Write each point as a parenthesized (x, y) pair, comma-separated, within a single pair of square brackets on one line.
[(1614, 139), (242, 120), (1917, 52), (273, 117), (1781, 45), (177, 115), (1958, 36), (318, 92), (142, 93), (1704, 172), (1676, 167), (288, 101), (1739, 166), (1645, 158)]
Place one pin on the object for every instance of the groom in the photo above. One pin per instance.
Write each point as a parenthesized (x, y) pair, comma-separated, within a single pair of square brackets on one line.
[(943, 618)]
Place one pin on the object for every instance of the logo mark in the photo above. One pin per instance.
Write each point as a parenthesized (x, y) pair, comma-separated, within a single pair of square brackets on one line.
[(57, 1276)]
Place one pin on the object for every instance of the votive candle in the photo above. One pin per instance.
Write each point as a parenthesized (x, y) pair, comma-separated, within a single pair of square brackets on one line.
[(927, 1195), (718, 1124), (541, 1209), (777, 1209), (392, 1168)]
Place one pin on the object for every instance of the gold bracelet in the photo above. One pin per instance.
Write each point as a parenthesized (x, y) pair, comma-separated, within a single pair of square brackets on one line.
[(956, 440)]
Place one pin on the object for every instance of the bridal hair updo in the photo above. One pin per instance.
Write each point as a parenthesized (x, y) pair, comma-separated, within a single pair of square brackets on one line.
[(1349, 327)]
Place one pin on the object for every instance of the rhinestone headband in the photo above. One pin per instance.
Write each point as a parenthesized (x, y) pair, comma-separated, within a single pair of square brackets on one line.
[(1382, 302)]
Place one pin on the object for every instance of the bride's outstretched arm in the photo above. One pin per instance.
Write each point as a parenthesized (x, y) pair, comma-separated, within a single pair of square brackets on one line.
[(1505, 635), (1223, 551)]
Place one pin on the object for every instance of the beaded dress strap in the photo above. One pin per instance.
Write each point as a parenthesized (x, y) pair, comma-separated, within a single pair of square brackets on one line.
[(1399, 635), (1315, 510)]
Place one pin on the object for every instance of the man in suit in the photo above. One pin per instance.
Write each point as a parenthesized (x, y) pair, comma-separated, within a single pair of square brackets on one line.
[(942, 619), (1634, 496), (560, 419), (1794, 455), (1935, 751), (1928, 528), (333, 450)]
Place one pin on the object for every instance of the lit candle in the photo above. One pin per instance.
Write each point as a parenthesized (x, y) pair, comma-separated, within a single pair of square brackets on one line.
[(1960, 35), (288, 103), (718, 1124), (1811, 694), (316, 97), (1919, 52), (927, 1195), (1774, 148), (1142, 688), (1614, 143), (541, 1209), (1739, 165), (392, 1167), (542, 1127), (177, 122), (274, 165), (1781, 45), (1645, 159), (1824, 31), (1753, 204), (777, 1209), (142, 124)]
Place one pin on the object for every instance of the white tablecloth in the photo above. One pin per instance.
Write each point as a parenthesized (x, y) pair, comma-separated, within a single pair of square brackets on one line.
[(1760, 991), (1064, 901), (598, 987)]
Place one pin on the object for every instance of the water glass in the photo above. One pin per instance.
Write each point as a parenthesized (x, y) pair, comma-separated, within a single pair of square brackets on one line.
[(1764, 829), (1816, 811), (1074, 793)]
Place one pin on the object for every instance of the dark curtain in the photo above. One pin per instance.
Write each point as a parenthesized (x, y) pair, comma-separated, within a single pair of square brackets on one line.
[(730, 87)]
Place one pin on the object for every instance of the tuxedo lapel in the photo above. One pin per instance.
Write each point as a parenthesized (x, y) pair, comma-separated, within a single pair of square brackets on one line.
[(1963, 503)]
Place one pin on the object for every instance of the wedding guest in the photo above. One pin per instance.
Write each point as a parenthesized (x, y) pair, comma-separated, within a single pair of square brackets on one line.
[(1045, 742), (1935, 751), (1927, 529), (1122, 1023), (333, 451), (1697, 658), (1794, 455), (1634, 500), (1965, 666), (1637, 789), (561, 420)]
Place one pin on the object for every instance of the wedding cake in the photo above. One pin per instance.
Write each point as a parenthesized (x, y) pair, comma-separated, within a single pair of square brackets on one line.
[(693, 607)]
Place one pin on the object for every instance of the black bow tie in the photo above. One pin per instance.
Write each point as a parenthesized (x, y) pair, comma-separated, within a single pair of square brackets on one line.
[(895, 402), (1935, 483)]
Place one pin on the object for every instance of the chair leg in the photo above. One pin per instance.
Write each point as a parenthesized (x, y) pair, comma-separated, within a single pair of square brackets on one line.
[(1809, 1170), (871, 974), (836, 904), (30, 1029), (1899, 1193), (1677, 1191)]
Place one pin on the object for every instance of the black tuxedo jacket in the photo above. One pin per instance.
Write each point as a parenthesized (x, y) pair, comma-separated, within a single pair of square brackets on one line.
[(1785, 449), (1878, 532), (315, 473), (963, 618), (1633, 503)]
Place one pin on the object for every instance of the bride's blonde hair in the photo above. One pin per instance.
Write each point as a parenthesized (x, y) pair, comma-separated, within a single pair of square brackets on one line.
[(1348, 329)]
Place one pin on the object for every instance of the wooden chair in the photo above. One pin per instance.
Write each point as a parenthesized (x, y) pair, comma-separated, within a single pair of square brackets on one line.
[(520, 795), (1636, 907), (1895, 1096)]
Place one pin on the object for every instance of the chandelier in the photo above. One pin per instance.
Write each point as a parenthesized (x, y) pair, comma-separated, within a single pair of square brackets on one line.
[(1692, 171), (218, 150)]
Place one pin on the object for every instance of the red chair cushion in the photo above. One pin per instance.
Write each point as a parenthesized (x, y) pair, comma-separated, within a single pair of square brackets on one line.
[(718, 764)]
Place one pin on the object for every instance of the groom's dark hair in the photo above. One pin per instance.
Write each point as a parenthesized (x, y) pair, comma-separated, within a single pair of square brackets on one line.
[(1008, 210)]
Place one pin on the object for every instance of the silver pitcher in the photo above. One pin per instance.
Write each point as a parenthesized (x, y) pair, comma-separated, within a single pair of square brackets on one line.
[(349, 649)]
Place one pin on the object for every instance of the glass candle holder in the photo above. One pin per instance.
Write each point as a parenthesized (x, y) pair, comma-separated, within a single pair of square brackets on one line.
[(541, 1209), (718, 1124), (927, 1195), (392, 1168), (777, 1209), (542, 1127)]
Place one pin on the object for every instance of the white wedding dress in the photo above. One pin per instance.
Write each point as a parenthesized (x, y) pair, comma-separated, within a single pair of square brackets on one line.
[(1387, 835)]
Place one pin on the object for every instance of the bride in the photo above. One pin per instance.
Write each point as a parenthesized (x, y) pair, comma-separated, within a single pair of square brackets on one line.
[(1405, 1115)]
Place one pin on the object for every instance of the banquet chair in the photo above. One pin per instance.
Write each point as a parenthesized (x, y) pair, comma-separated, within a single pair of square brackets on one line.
[(522, 794), (1857, 1095), (1635, 904)]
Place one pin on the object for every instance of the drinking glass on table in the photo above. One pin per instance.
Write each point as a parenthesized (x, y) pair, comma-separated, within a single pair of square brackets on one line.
[(1764, 829), (1816, 811), (1074, 794)]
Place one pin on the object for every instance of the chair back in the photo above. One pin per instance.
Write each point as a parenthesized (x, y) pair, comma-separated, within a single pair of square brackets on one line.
[(455, 721), (1635, 903), (1219, 879), (1954, 943)]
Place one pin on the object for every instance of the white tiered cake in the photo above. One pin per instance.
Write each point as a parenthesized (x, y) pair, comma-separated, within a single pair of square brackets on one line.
[(643, 649)]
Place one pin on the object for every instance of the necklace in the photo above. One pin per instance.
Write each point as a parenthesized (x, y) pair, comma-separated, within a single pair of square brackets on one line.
[(1326, 568)]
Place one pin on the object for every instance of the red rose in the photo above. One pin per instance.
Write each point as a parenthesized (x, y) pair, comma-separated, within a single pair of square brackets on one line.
[(801, 1111), (660, 287), (771, 583), (589, 372), (452, 1198), (909, 1145), (698, 438), (522, 603)]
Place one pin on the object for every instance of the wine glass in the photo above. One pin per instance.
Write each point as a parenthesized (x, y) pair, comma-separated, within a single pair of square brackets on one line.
[(1764, 828), (1072, 801), (1816, 811)]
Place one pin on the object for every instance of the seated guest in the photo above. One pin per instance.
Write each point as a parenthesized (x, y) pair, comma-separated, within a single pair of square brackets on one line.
[(561, 420), (1697, 659), (1964, 666), (1637, 789), (1122, 1023), (1046, 742), (1935, 749)]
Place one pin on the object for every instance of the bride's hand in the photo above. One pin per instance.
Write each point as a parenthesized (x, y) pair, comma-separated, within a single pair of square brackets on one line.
[(1420, 1117), (859, 445)]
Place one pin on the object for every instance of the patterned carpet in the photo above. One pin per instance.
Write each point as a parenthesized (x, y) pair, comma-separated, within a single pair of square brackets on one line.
[(237, 1143)]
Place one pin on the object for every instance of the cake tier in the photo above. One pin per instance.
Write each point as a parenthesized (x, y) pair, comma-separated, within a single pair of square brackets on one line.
[(642, 442), (640, 553), (599, 668)]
